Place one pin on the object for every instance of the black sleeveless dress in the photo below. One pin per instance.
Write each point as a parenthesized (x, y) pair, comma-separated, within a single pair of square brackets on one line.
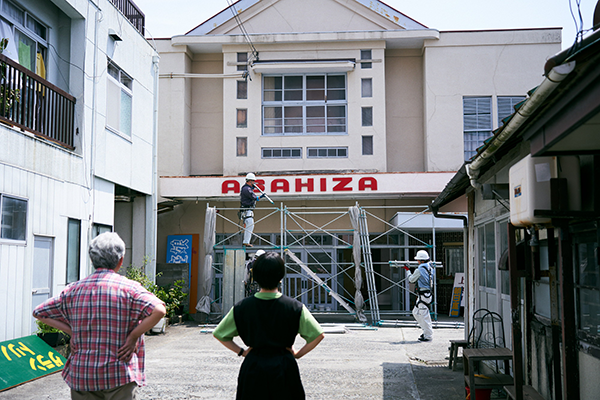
[(269, 371)]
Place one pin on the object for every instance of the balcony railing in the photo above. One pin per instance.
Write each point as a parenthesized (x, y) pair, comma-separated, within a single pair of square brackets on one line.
[(34, 104), (132, 13)]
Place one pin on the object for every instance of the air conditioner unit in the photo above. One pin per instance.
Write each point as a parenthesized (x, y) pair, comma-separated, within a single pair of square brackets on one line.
[(529, 189)]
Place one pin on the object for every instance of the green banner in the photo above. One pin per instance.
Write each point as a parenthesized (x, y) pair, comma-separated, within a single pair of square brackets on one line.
[(25, 359)]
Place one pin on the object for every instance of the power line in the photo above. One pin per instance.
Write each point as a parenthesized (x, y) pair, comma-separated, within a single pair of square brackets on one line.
[(254, 52)]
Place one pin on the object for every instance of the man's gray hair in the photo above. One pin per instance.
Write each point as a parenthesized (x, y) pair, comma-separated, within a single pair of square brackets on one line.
[(106, 250)]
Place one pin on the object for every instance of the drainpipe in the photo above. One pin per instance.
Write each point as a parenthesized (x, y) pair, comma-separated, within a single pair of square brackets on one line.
[(434, 211), (154, 196), (553, 79)]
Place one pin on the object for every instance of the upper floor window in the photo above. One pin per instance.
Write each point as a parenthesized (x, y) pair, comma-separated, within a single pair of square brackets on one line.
[(242, 58), (365, 55), (118, 99), (477, 117), (304, 104), (367, 87), (13, 218), (27, 38), (242, 90), (506, 106), (327, 152), (281, 152), (367, 145)]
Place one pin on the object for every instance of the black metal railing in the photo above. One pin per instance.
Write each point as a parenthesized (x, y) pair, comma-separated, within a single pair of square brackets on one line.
[(132, 13), (32, 103)]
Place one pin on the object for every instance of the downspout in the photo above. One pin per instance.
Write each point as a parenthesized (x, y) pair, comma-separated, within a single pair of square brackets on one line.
[(435, 212), (553, 79), (154, 196)]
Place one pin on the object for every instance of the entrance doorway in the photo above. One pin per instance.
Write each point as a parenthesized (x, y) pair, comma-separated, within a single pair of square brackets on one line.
[(299, 285), (41, 283)]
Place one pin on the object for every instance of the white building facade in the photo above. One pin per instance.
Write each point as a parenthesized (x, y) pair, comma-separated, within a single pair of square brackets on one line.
[(77, 145), (330, 103)]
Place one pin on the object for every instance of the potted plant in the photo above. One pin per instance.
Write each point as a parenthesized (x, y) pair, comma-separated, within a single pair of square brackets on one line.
[(52, 336), (7, 96), (173, 295)]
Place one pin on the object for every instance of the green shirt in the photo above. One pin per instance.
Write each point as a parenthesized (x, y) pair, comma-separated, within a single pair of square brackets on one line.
[(309, 328)]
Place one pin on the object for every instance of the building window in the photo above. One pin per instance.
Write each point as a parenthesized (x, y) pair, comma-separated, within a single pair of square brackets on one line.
[(487, 255), (27, 38), (477, 117), (242, 58), (281, 152), (366, 55), (304, 104), (587, 288), (73, 249), (367, 145), (241, 146), (506, 106), (98, 229), (327, 152), (118, 100), (13, 222), (367, 116), (367, 87), (242, 90), (241, 118)]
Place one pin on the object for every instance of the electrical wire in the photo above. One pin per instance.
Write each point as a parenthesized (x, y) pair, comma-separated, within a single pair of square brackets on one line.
[(254, 52), (578, 20)]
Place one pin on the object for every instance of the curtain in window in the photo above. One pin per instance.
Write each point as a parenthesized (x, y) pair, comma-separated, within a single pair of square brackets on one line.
[(11, 49)]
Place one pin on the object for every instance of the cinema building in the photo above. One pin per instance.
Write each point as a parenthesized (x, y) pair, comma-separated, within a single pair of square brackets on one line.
[(354, 117)]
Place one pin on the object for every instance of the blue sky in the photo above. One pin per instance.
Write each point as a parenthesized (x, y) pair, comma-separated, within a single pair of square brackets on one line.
[(176, 17)]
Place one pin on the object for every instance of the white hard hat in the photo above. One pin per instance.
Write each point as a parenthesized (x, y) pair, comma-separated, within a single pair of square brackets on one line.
[(259, 253), (250, 177), (422, 255)]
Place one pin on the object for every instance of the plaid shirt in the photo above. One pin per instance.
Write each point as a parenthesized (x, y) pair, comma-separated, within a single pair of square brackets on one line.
[(102, 310)]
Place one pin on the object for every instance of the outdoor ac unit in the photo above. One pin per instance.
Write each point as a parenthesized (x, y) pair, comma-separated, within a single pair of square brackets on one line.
[(529, 189)]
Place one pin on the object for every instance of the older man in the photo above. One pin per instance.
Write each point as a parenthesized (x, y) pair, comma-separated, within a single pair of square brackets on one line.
[(106, 315)]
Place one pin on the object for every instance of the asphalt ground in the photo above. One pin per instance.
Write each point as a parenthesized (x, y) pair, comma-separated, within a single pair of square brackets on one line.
[(364, 363)]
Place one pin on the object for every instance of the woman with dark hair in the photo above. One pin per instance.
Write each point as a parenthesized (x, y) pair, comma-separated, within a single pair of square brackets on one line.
[(268, 323)]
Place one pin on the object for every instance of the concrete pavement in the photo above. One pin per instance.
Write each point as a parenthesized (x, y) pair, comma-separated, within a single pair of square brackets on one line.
[(369, 363)]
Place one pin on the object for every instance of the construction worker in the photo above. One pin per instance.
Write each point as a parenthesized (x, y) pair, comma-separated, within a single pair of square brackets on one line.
[(247, 202), (423, 277), (250, 285)]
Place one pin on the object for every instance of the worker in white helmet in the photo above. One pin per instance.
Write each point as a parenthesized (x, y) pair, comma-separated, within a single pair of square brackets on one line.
[(423, 278), (247, 202)]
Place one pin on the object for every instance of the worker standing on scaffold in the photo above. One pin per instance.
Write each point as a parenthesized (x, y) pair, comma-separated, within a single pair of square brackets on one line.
[(423, 277), (247, 202)]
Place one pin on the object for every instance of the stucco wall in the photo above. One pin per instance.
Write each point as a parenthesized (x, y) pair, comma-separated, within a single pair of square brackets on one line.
[(404, 110), (206, 139), (174, 112), (476, 64)]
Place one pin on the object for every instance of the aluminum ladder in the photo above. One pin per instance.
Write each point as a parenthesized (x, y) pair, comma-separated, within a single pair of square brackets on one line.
[(369, 272)]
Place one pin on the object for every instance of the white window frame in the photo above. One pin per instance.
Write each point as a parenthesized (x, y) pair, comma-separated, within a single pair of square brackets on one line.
[(477, 123), (22, 28), (510, 107), (303, 103), (2, 214), (121, 83)]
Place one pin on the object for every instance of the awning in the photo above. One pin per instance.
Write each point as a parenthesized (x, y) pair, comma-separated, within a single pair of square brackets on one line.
[(303, 67)]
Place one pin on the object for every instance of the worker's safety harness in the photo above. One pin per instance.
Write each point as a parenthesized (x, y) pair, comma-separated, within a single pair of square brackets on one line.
[(245, 212), (424, 296)]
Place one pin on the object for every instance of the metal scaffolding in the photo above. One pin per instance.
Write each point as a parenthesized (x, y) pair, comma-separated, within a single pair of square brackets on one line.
[(315, 242)]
